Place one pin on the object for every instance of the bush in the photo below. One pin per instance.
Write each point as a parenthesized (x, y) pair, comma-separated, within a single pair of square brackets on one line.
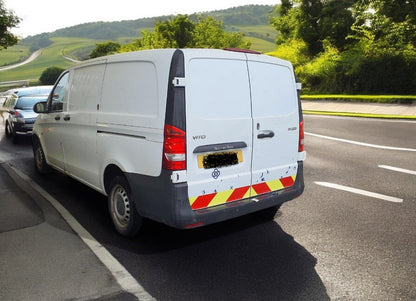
[(50, 75), (295, 52), (353, 72), (386, 74)]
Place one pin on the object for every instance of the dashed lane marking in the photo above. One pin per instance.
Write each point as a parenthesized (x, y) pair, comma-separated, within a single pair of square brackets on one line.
[(362, 143), (398, 169), (361, 192)]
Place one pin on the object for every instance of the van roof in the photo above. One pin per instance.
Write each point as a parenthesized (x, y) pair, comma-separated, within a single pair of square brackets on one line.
[(165, 56)]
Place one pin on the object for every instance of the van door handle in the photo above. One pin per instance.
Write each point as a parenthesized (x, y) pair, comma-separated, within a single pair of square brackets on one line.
[(265, 134), (67, 118), (57, 117)]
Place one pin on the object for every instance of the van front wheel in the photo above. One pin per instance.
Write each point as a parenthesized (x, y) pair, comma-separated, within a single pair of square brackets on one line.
[(40, 161), (122, 208)]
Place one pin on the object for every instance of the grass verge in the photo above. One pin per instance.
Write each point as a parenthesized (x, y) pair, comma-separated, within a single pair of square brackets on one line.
[(364, 115), (363, 98)]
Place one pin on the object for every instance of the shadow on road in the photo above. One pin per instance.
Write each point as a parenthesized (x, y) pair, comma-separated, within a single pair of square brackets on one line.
[(242, 259)]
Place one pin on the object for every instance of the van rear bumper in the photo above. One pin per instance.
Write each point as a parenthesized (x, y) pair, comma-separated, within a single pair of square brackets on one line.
[(160, 200)]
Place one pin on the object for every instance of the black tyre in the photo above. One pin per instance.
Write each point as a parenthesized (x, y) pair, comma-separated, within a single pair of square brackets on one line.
[(122, 208), (8, 130), (40, 162)]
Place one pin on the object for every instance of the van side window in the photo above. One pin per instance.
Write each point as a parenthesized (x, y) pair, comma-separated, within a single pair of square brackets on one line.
[(58, 94)]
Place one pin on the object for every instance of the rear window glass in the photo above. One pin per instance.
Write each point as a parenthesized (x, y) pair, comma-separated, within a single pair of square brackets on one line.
[(25, 103)]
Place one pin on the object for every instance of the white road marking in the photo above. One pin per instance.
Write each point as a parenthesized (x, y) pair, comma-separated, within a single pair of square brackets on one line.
[(363, 119), (127, 282), (408, 171), (362, 143), (361, 192)]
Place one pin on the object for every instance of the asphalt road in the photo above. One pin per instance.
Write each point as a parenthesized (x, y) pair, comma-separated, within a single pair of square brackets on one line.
[(338, 241)]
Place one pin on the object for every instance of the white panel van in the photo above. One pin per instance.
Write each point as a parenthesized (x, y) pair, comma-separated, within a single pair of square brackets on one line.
[(186, 137)]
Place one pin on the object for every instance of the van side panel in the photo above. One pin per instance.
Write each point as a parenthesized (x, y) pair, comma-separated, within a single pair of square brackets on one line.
[(78, 140), (130, 94), (132, 109)]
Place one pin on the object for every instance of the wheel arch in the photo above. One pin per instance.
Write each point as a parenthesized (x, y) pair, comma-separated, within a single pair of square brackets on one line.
[(35, 138), (110, 172)]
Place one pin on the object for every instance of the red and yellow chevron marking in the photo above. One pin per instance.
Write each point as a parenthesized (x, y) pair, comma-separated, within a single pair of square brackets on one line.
[(222, 197)]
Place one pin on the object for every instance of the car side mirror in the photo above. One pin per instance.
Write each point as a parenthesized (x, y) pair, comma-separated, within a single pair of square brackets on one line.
[(40, 107)]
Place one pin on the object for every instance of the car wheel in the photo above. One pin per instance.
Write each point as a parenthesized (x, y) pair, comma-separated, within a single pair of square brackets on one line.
[(122, 207), (40, 161), (8, 130)]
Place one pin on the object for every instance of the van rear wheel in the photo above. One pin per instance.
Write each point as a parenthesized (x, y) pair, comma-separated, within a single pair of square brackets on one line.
[(122, 207)]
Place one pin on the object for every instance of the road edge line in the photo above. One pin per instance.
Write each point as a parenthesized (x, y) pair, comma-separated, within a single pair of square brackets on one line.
[(127, 282)]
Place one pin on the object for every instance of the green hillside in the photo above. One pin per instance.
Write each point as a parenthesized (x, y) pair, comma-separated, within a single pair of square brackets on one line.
[(78, 41), (50, 56)]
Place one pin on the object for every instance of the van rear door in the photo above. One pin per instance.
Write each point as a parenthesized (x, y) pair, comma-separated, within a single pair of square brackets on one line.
[(275, 124), (242, 127), (219, 130)]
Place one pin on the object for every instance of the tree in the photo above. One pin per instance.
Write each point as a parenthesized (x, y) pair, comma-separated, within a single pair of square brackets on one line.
[(104, 49), (7, 20), (50, 75), (314, 21), (349, 46), (385, 25), (210, 33), (182, 32), (286, 21)]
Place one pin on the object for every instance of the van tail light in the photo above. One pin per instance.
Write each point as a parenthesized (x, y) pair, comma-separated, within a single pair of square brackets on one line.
[(301, 147), (174, 148)]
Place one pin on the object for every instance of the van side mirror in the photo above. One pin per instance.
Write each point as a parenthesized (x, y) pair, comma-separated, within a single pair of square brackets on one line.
[(40, 107)]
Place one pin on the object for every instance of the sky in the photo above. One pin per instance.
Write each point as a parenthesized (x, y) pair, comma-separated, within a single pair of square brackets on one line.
[(40, 16)]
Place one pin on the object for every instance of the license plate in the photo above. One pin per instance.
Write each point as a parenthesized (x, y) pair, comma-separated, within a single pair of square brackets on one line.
[(222, 159)]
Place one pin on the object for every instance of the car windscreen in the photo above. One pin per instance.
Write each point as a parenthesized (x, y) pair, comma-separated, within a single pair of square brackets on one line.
[(27, 103)]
